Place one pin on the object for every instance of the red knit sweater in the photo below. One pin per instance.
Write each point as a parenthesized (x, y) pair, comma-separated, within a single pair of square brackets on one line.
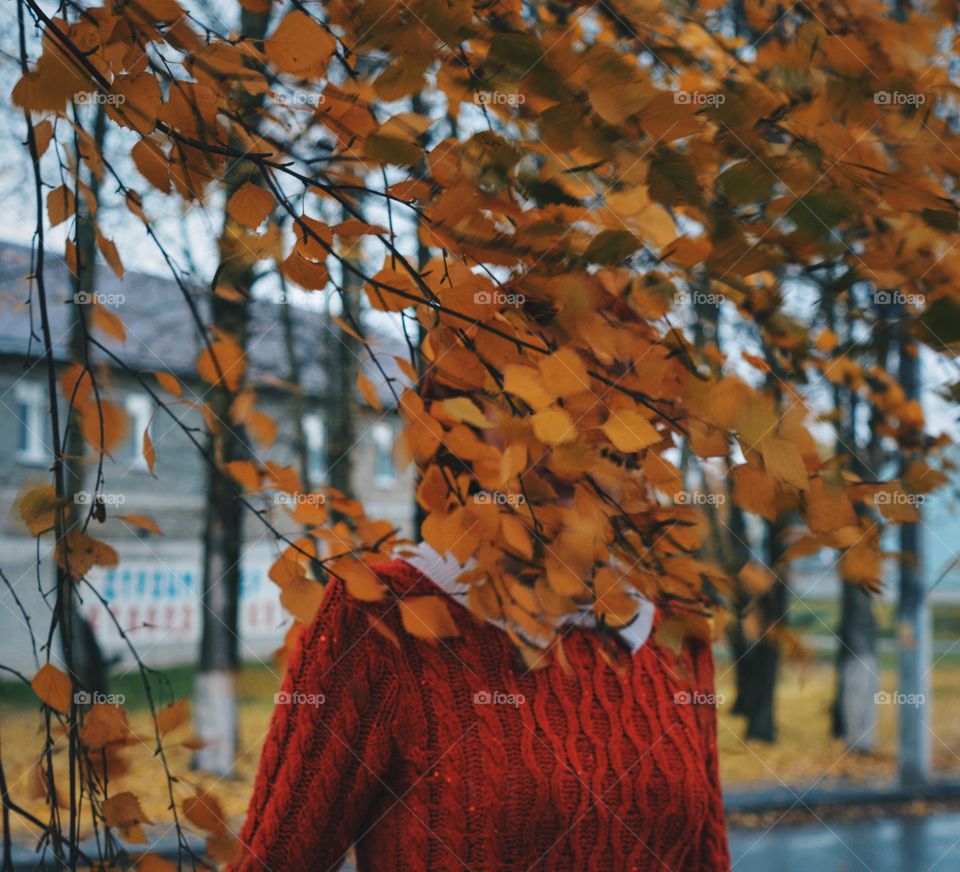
[(453, 756)]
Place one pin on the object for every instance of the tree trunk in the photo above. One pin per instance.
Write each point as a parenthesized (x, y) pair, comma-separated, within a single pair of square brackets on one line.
[(87, 663), (341, 412), (857, 664), (215, 701)]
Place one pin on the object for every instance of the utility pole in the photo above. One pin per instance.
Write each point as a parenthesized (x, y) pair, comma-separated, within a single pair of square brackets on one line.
[(913, 621)]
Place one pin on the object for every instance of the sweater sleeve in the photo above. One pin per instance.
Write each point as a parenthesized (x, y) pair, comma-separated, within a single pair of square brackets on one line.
[(714, 852), (329, 744)]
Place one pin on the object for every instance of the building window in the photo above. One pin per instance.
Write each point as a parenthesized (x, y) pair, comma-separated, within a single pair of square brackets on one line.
[(384, 470), (315, 437), (32, 419), (140, 412)]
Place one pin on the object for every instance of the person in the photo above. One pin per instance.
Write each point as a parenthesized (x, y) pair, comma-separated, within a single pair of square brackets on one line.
[(452, 754)]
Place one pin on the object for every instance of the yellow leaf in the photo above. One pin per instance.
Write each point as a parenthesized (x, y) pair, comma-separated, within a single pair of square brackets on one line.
[(528, 384), (784, 463), (466, 410), (629, 430), (565, 372), (53, 686), (553, 426), (38, 508), (361, 581), (302, 598), (427, 617)]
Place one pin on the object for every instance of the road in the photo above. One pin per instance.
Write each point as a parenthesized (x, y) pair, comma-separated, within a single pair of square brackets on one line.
[(895, 844)]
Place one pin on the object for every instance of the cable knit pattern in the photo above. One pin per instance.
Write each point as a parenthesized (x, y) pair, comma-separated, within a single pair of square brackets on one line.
[(454, 756)]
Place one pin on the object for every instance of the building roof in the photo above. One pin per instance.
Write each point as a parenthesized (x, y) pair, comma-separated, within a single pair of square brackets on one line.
[(161, 333)]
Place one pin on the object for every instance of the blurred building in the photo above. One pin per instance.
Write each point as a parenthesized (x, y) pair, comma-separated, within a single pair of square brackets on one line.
[(154, 593)]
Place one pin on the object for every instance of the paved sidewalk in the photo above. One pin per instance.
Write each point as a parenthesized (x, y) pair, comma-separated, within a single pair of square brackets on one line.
[(894, 844)]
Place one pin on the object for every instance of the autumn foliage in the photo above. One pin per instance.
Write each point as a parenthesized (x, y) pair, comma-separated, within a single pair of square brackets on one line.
[(640, 168)]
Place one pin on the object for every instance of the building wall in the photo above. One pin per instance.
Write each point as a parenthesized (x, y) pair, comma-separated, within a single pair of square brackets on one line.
[(157, 582)]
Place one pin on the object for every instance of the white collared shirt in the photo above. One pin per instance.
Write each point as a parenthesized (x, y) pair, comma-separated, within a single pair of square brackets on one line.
[(443, 570)]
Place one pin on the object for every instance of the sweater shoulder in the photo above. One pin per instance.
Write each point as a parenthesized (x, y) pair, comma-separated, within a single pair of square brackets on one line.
[(402, 579)]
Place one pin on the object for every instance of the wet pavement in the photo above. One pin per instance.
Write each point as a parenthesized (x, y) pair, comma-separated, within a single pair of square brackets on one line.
[(894, 844)]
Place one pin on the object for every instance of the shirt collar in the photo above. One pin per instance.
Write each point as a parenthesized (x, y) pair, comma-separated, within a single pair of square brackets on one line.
[(443, 570)]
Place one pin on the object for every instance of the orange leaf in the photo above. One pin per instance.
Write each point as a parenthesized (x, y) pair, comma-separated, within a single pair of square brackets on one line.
[(170, 383), (427, 617), (172, 716), (244, 473), (149, 451), (102, 724), (78, 553), (144, 522), (300, 46), (53, 686), (123, 810), (61, 205), (204, 810), (369, 391), (249, 205), (232, 364)]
